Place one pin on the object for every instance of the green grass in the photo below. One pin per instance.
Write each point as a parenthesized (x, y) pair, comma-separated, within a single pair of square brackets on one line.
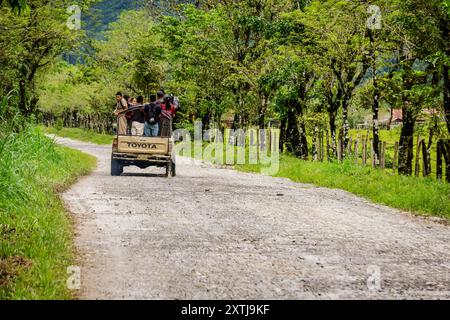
[(393, 136), (35, 230), (419, 195), (80, 134)]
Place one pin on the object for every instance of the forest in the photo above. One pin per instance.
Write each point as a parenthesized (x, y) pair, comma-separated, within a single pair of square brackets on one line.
[(311, 68)]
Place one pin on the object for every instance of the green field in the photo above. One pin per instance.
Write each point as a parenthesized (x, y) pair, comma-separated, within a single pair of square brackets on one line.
[(80, 134), (35, 230)]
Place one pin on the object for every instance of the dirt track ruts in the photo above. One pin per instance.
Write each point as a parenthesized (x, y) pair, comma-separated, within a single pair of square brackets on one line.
[(216, 233)]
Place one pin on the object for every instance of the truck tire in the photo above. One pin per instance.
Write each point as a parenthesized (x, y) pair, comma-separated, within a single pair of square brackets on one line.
[(173, 168), (116, 168), (168, 168)]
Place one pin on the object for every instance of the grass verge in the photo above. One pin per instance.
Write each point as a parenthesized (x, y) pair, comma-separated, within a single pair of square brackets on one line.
[(35, 230), (80, 135)]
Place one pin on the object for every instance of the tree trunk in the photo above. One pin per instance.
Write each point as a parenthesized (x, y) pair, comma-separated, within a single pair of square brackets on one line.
[(346, 126), (23, 97), (332, 116), (406, 144), (303, 150), (262, 112), (376, 136), (292, 132), (447, 95), (283, 126), (296, 140), (376, 96)]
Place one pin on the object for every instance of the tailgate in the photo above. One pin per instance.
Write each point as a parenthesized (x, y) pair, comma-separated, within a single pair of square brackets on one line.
[(143, 145)]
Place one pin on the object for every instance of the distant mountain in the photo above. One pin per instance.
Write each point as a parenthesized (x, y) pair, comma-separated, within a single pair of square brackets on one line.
[(101, 14)]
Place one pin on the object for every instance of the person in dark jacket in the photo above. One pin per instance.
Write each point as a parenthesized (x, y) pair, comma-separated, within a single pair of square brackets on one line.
[(152, 115), (138, 120)]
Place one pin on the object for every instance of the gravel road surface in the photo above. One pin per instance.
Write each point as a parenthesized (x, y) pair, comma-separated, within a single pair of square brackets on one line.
[(214, 233)]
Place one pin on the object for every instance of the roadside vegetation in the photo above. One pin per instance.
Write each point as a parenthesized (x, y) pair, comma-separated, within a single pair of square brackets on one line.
[(35, 230)]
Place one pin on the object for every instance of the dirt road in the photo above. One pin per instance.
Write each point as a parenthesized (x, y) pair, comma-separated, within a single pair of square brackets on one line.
[(219, 234)]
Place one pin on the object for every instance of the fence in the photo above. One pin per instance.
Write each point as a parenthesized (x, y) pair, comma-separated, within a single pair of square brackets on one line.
[(97, 122), (360, 149), (362, 152)]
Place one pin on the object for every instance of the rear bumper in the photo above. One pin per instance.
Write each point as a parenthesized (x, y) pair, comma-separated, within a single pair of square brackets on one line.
[(132, 159)]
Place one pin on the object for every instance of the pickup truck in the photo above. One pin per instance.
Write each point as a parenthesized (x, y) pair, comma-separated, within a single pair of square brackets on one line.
[(142, 152)]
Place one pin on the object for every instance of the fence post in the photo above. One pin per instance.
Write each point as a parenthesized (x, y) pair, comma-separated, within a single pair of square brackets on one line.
[(447, 160), (321, 146), (444, 152), (328, 145), (439, 160), (349, 147), (339, 149), (364, 151), (395, 163), (356, 151), (315, 144), (372, 154), (383, 156), (417, 167)]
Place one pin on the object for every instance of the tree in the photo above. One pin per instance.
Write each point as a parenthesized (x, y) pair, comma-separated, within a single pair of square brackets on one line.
[(338, 39), (414, 76), (34, 39)]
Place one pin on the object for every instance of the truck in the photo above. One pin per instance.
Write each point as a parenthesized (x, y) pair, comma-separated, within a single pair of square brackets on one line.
[(142, 152)]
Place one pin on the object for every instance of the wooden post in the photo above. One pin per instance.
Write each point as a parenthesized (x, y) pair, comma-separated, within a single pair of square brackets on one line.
[(439, 160), (356, 151), (364, 151), (443, 152), (321, 146), (383, 156), (349, 147), (426, 160), (395, 161), (315, 151), (417, 167), (372, 154), (447, 160), (339, 150), (328, 145)]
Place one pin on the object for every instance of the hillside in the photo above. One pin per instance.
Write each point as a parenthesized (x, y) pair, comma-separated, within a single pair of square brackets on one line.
[(100, 15)]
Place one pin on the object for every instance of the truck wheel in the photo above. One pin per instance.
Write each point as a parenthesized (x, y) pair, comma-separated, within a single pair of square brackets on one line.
[(116, 168), (168, 169), (173, 169)]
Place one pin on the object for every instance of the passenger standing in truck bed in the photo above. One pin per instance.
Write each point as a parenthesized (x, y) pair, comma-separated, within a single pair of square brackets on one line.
[(167, 115), (152, 114), (138, 120), (122, 105)]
